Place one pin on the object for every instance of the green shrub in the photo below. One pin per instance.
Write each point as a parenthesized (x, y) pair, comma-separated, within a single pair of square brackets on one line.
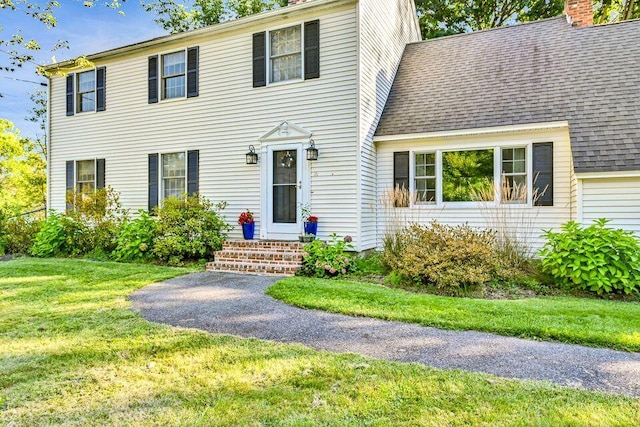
[(321, 259), (91, 228), (56, 237), (21, 233), (135, 241), (593, 258), (444, 256), (189, 228)]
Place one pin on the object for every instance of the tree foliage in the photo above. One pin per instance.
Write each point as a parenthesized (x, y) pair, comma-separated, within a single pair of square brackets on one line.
[(22, 172), (176, 15), (446, 17), (607, 11)]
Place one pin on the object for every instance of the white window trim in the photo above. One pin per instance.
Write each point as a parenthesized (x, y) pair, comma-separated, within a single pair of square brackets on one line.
[(497, 175), (76, 91), (268, 54), (162, 100), (95, 173), (160, 177)]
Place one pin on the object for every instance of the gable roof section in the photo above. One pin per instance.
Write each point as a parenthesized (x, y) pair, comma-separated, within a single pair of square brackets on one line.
[(544, 71)]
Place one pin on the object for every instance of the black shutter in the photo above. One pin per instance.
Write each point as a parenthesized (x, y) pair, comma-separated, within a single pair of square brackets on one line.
[(100, 173), (192, 171), (70, 182), (153, 181), (543, 173), (401, 175), (312, 49), (70, 109), (192, 72), (153, 79), (259, 59), (101, 75)]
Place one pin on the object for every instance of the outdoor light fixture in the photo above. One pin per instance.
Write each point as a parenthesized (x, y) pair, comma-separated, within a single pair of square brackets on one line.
[(252, 156), (312, 151)]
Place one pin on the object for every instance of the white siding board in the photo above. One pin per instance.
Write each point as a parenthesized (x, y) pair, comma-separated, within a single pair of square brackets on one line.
[(386, 26), (617, 199), (542, 217), (227, 116)]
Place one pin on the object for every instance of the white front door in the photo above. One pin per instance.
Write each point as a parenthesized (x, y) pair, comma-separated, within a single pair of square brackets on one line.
[(284, 191)]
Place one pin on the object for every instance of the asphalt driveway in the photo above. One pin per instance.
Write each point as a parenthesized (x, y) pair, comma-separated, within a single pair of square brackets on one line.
[(236, 304)]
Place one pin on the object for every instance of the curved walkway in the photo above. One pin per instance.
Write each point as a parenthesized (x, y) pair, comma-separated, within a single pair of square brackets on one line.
[(236, 304)]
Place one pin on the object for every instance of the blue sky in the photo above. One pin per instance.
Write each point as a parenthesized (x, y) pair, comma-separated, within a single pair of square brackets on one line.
[(88, 30)]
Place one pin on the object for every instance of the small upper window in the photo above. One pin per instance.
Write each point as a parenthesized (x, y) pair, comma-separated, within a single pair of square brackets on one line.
[(173, 175), (86, 91), (514, 175), (173, 75), (86, 176), (285, 54)]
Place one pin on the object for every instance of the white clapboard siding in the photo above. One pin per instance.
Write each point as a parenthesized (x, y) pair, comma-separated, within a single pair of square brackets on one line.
[(617, 199), (227, 116), (386, 26), (539, 218)]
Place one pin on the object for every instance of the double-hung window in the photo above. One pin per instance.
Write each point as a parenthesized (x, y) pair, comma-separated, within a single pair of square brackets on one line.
[(173, 178), (285, 54), (86, 176), (173, 84), (86, 91), (425, 177), (514, 175)]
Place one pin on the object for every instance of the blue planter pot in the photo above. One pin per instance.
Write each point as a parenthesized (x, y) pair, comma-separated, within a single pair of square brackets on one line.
[(310, 228), (248, 229)]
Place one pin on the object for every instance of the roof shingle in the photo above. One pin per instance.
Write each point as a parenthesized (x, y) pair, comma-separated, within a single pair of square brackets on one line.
[(532, 73)]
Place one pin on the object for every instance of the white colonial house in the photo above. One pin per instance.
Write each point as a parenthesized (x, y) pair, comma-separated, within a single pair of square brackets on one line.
[(551, 105)]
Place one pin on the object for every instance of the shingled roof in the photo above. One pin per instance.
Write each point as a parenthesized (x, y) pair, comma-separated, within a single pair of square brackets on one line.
[(532, 73)]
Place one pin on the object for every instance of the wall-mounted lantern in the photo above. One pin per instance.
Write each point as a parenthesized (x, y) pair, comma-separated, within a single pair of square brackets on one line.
[(312, 151), (252, 156)]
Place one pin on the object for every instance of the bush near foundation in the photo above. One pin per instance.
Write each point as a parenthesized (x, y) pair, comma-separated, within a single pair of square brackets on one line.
[(444, 256), (189, 229), (594, 258), (322, 259)]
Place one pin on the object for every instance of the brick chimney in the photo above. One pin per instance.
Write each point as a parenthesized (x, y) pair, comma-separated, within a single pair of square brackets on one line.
[(580, 12), (292, 2)]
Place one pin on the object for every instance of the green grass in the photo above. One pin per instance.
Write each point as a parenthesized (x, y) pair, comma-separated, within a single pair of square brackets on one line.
[(73, 353), (590, 322)]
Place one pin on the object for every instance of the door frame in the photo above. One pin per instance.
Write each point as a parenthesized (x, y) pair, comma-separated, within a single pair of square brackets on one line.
[(269, 230)]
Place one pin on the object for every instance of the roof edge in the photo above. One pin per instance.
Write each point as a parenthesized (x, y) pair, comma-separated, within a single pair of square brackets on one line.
[(472, 131), (211, 29)]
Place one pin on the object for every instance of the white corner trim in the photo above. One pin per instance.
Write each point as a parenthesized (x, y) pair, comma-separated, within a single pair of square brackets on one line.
[(580, 213), (475, 131), (614, 174)]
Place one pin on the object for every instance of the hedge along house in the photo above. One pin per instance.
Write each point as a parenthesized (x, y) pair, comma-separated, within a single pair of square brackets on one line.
[(550, 107), (179, 113)]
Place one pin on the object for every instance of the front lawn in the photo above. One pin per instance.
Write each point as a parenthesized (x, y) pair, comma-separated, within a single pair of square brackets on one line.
[(590, 322), (73, 353)]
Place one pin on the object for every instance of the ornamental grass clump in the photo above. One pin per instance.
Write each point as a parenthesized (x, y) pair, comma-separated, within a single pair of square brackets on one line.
[(594, 258), (445, 256)]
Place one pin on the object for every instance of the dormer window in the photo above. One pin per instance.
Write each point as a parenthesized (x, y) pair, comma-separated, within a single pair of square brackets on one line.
[(285, 54), (173, 75)]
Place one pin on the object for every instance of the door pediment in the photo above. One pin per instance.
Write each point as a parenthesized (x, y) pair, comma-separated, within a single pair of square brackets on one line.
[(286, 131)]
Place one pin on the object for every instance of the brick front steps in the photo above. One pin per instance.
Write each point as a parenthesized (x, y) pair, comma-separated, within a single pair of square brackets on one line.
[(258, 257)]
